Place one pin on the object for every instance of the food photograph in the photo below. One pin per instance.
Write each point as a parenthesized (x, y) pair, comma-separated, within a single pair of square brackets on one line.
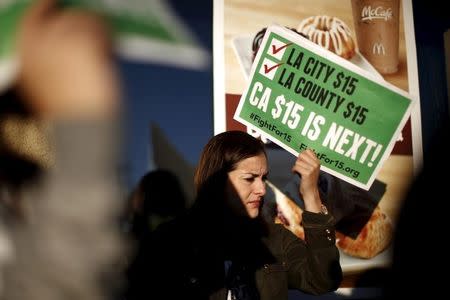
[(372, 35)]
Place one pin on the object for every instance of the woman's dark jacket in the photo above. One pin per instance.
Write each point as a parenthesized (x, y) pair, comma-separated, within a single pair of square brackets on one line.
[(185, 259)]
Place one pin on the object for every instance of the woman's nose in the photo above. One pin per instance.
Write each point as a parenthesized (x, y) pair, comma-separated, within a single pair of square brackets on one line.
[(260, 188)]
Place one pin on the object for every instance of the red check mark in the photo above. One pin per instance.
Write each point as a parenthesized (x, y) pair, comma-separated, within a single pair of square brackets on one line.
[(268, 69), (275, 50)]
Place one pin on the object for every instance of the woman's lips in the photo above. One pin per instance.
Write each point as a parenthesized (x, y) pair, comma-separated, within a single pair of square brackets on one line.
[(254, 204)]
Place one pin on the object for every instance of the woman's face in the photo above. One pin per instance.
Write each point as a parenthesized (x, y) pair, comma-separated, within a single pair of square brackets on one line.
[(246, 186)]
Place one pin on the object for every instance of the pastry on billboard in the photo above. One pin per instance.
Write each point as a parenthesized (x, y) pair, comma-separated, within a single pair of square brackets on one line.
[(259, 37), (331, 33), (288, 212), (374, 237)]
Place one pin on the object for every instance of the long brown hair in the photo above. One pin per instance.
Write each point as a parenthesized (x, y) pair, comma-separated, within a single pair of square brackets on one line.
[(222, 153)]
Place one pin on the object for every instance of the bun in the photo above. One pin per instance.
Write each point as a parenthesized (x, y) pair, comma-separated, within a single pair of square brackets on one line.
[(374, 237), (331, 33), (288, 213)]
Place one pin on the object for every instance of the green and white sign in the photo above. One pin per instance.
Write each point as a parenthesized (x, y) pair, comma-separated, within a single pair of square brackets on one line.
[(303, 96), (145, 31)]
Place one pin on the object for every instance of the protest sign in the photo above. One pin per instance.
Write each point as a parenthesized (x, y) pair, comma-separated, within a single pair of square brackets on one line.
[(303, 96), (147, 31)]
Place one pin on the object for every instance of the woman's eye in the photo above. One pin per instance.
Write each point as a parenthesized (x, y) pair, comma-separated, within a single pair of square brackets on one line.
[(251, 179)]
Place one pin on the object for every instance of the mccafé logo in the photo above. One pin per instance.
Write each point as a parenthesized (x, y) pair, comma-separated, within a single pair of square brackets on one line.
[(369, 13)]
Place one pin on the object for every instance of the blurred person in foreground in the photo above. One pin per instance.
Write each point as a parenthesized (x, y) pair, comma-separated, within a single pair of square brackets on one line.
[(66, 242), (223, 248), (413, 273)]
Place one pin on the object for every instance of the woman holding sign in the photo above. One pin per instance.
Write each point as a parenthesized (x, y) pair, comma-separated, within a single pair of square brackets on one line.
[(223, 248)]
